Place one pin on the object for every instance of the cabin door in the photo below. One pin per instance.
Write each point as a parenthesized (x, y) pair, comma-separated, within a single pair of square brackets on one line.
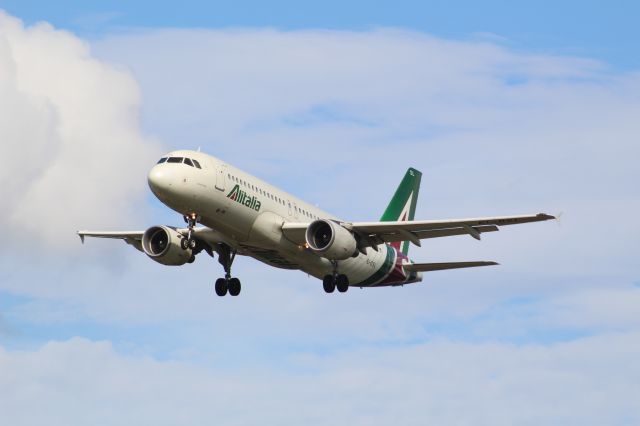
[(221, 177)]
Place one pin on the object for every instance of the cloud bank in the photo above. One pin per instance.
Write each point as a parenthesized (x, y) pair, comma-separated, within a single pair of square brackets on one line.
[(79, 381), (73, 155)]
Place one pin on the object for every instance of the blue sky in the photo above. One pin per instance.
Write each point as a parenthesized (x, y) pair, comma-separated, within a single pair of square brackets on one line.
[(505, 109), (587, 28)]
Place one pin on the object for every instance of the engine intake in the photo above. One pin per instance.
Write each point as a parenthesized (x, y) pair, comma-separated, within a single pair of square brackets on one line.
[(330, 240), (162, 244)]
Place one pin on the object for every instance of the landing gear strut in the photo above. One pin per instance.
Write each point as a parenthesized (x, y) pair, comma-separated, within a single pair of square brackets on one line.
[(189, 241), (335, 280), (226, 257)]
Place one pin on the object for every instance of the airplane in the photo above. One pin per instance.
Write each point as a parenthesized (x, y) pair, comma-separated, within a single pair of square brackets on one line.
[(230, 212)]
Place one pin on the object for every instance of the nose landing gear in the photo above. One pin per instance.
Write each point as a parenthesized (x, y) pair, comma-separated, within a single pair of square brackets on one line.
[(189, 241)]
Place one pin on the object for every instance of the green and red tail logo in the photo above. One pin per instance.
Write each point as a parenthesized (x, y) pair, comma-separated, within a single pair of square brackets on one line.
[(403, 204), (239, 196)]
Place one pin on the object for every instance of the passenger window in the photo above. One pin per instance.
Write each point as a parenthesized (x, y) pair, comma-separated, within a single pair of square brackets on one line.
[(162, 160), (195, 163), (188, 161), (175, 160)]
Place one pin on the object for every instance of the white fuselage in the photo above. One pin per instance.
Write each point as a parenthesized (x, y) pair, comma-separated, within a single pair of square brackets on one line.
[(248, 213)]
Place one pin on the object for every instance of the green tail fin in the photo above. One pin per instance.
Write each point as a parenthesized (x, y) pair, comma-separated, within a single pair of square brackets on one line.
[(403, 204)]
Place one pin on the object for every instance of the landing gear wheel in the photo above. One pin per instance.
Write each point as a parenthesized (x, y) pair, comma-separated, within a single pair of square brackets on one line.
[(188, 241), (342, 283), (221, 287), (234, 286), (328, 283), (226, 255)]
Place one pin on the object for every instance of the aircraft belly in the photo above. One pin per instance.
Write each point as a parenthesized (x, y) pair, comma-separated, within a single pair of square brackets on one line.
[(364, 270), (371, 269)]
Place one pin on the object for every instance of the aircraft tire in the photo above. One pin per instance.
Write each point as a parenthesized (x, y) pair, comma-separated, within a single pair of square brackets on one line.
[(342, 283), (234, 286), (328, 284), (221, 287), (184, 243)]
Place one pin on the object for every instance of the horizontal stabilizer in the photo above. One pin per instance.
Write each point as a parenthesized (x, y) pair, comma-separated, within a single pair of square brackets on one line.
[(427, 267)]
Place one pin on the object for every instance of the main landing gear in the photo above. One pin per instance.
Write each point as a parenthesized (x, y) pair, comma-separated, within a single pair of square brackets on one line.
[(227, 284), (335, 280), (225, 256)]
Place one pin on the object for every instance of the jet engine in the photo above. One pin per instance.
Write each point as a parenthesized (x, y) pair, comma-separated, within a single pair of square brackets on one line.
[(330, 240), (162, 244)]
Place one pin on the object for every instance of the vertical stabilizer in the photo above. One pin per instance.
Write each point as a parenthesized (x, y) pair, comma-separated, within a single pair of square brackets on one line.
[(403, 204)]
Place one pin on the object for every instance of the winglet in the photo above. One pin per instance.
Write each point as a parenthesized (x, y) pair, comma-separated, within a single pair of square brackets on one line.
[(81, 235)]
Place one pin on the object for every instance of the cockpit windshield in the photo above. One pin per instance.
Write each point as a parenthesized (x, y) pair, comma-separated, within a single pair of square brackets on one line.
[(180, 160)]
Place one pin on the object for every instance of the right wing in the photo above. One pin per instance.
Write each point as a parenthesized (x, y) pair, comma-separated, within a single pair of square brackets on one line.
[(374, 233), (416, 230), (427, 267)]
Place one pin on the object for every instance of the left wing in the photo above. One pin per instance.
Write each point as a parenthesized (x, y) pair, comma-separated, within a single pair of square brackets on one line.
[(374, 233), (133, 238), (123, 235)]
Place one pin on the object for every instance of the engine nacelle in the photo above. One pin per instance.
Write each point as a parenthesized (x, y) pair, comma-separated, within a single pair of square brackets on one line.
[(331, 240), (162, 244)]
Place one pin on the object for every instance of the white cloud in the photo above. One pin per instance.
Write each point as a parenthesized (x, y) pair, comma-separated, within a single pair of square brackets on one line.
[(73, 155), (80, 381)]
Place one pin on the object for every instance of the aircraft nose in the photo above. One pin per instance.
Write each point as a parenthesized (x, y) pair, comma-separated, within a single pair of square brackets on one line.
[(159, 180)]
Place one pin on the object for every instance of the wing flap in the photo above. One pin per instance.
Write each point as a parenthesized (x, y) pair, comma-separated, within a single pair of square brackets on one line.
[(428, 267), (437, 233)]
